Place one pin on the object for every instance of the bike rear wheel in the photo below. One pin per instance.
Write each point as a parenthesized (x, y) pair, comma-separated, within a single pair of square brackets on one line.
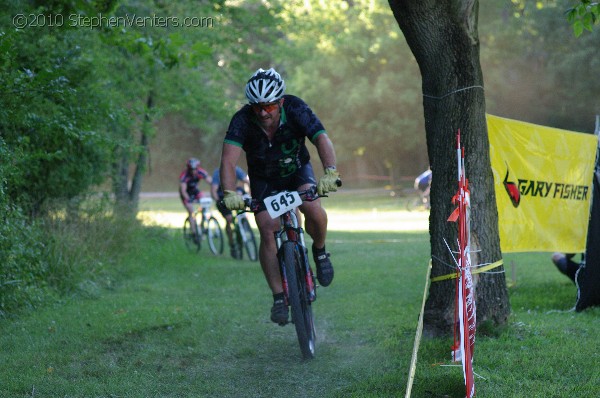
[(214, 236), (248, 239), (193, 244), (418, 203), (302, 316)]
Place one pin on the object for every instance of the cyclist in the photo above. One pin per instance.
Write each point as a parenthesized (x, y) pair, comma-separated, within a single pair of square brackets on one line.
[(271, 129), (423, 181), (217, 194), (423, 184), (188, 187)]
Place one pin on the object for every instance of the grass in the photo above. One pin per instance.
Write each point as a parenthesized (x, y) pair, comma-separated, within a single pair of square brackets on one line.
[(178, 324), (547, 350)]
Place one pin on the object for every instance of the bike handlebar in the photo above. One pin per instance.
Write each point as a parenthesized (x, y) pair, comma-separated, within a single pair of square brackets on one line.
[(307, 195)]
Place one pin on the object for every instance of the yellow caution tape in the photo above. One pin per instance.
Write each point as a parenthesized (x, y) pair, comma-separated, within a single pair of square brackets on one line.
[(476, 271), (419, 333)]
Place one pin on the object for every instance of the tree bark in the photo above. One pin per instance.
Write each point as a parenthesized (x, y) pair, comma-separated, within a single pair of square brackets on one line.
[(140, 165), (126, 196), (443, 37)]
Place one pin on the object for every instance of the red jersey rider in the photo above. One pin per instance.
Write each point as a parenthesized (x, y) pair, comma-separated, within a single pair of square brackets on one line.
[(188, 186)]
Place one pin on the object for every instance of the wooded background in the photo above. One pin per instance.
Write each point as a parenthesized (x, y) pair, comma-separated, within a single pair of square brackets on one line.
[(87, 106)]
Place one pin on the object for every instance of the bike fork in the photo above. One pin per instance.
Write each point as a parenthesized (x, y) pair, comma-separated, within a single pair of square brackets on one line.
[(311, 291), (284, 279)]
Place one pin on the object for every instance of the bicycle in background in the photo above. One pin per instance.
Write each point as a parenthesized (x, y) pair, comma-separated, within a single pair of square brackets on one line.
[(422, 187), (244, 236), (418, 201), (206, 225)]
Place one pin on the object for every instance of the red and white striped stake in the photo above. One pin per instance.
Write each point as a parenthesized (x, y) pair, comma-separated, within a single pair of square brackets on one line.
[(462, 349)]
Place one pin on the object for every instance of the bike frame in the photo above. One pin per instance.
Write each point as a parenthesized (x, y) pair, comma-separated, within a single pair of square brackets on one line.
[(204, 211), (242, 233), (237, 223), (291, 231)]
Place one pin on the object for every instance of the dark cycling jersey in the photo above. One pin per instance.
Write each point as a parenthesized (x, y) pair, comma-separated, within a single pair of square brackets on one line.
[(287, 152), (193, 180)]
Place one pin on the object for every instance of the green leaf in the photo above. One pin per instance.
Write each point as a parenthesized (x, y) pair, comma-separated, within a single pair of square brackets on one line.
[(578, 28), (571, 15), (588, 22)]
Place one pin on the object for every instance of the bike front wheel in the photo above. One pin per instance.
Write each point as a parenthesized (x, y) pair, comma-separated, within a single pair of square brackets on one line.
[(302, 316), (214, 236), (192, 241), (248, 239)]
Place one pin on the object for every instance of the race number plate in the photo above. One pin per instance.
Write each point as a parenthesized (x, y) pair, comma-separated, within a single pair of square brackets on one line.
[(284, 201)]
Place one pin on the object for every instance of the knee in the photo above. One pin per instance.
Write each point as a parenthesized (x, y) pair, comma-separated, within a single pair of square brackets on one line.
[(558, 258), (316, 217)]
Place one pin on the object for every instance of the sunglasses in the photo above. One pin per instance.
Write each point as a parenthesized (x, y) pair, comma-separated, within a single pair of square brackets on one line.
[(268, 107)]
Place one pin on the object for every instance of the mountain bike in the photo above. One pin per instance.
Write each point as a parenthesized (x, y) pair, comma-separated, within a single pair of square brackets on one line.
[(244, 236), (298, 279), (206, 225), (418, 201)]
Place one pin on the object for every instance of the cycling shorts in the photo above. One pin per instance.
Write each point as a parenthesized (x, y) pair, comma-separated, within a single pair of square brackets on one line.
[(194, 196), (263, 188)]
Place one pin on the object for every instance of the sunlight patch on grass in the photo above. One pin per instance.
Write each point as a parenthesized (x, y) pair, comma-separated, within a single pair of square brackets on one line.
[(170, 219), (373, 220)]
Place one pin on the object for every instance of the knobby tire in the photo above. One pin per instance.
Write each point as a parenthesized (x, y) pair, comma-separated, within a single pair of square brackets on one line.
[(417, 204), (214, 236), (188, 237), (298, 300), (248, 239), (239, 242)]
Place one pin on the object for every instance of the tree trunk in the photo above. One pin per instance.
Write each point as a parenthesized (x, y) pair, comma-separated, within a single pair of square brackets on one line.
[(127, 197), (140, 165), (120, 181), (442, 35)]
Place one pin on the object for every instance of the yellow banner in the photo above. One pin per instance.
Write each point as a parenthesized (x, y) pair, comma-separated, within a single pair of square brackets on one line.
[(543, 181)]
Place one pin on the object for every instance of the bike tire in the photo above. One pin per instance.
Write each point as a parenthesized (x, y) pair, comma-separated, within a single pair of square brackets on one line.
[(214, 236), (302, 316), (248, 239), (239, 243), (414, 203), (188, 237)]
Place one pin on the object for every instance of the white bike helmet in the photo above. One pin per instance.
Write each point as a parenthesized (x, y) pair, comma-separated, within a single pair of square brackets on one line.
[(265, 86), (192, 163)]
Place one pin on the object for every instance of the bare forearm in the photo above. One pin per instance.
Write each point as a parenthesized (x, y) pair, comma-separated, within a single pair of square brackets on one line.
[(229, 159), (326, 151)]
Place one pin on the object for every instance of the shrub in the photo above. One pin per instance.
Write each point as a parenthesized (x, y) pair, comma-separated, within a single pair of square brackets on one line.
[(60, 255)]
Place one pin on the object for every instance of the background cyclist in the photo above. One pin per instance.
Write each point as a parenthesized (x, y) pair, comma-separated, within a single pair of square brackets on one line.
[(217, 194), (271, 129), (189, 179), (423, 184)]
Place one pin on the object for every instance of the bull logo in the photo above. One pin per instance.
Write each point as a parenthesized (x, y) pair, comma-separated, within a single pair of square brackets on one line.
[(512, 189)]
